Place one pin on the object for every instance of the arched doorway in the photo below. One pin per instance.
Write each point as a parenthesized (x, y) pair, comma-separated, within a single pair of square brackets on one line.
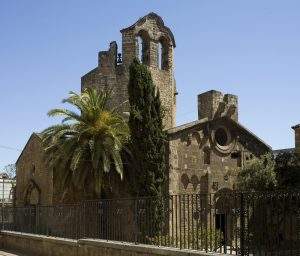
[(28, 219), (32, 194), (224, 206)]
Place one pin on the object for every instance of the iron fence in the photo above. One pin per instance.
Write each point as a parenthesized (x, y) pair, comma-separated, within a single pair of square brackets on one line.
[(266, 223)]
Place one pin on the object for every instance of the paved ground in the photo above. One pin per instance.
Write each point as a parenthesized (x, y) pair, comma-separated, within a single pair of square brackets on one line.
[(4, 253)]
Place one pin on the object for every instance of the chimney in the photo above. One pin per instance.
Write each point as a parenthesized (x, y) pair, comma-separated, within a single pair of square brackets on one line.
[(214, 104), (297, 139)]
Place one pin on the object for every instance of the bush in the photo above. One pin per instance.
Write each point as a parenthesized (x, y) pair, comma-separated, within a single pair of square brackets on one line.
[(200, 239), (258, 175)]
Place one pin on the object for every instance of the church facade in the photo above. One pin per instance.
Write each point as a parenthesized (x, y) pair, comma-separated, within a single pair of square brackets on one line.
[(203, 156), (206, 155)]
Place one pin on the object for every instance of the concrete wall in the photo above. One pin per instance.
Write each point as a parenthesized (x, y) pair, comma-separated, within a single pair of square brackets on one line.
[(51, 246)]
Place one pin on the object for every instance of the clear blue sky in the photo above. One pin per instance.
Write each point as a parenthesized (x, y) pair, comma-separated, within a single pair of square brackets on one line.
[(249, 48)]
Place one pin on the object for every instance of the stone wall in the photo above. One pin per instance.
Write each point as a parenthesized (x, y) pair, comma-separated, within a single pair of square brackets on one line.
[(34, 179), (198, 164), (297, 139), (213, 104), (52, 246)]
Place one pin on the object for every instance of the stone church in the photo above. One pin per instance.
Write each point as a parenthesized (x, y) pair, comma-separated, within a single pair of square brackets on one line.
[(203, 156)]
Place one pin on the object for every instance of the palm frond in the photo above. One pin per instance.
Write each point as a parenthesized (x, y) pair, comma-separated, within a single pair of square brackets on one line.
[(85, 144)]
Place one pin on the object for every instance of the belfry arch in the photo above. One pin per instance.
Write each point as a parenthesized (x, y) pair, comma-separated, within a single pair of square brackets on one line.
[(143, 47), (163, 54)]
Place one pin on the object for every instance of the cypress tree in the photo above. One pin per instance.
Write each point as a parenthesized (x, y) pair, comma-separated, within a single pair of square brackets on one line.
[(147, 135)]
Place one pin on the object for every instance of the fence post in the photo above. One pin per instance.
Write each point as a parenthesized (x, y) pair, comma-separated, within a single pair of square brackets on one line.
[(36, 218), (78, 220), (135, 221), (84, 219), (242, 232), (2, 217), (2, 212)]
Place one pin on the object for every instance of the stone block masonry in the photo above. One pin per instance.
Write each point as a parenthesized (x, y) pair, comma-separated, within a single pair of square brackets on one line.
[(297, 138), (112, 74), (38, 245)]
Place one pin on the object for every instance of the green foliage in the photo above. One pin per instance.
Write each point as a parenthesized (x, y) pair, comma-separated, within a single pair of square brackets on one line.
[(87, 143), (268, 173), (148, 137), (287, 168), (199, 238), (258, 175)]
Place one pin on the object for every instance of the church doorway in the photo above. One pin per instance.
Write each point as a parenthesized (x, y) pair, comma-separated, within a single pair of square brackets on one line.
[(223, 203), (32, 199), (221, 222)]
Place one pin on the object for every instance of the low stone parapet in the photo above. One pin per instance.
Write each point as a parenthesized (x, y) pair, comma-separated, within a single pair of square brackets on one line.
[(39, 245)]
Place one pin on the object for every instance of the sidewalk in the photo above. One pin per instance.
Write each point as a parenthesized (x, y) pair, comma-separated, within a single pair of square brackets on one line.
[(4, 253)]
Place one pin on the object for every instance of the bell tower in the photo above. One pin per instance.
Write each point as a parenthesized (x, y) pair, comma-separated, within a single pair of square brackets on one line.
[(153, 43)]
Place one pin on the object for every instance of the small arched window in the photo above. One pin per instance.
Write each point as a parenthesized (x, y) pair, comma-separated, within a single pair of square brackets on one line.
[(11, 194), (143, 47), (139, 42), (159, 58), (206, 157), (162, 54), (32, 171)]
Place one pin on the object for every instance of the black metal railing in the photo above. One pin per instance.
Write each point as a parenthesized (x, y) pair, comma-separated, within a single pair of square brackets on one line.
[(265, 223)]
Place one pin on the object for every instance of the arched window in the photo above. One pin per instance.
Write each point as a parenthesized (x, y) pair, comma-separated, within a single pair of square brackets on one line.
[(159, 57), (143, 47), (11, 194), (162, 54), (139, 42), (206, 156), (32, 171)]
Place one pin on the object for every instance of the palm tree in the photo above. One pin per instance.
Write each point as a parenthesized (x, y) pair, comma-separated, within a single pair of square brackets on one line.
[(87, 143)]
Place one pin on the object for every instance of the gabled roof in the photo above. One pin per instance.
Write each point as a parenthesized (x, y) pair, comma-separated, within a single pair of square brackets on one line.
[(205, 120), (186, 126), (251, 133), (33, 135), (159, 22), (284, 150)]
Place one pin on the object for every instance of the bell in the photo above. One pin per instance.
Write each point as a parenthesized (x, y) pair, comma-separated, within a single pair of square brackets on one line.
[(119, 58)]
